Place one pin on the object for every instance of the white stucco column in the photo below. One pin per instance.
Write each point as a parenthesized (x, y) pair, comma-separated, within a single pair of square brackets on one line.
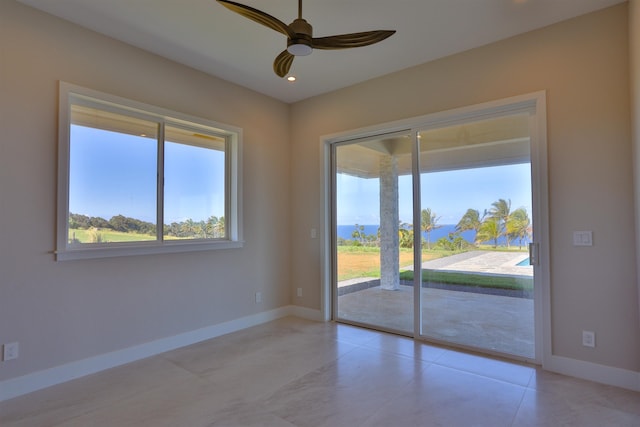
[(389, 224)]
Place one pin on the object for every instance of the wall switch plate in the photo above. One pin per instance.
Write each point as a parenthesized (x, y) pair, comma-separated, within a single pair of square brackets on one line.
[(314, 233), (588, 338), (582, 238), (258, 297), (299, 292), (10, 351)]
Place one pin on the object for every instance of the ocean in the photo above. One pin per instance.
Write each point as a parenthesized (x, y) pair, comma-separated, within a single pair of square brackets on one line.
[(345, 231)]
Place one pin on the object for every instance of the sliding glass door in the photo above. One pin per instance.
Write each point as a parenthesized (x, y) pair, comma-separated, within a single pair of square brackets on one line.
[(476, 226), (373, 231), (432, 228)]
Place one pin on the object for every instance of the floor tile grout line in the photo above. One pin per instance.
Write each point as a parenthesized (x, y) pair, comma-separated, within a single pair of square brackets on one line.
[(479, 375), (515, 415), (184, 368)]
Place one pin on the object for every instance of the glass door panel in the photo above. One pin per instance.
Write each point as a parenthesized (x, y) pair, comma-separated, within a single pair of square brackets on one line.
[(476, 207), (373, 234)]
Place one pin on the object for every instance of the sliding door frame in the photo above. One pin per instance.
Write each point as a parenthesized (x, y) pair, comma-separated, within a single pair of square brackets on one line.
[(534, 104)]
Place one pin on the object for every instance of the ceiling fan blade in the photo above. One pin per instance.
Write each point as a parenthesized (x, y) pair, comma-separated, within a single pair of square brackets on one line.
[(346, 41), (283, 62), (258, 16)]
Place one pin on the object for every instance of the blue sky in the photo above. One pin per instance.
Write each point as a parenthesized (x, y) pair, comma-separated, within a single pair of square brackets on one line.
[(449, 194), (114, 173)]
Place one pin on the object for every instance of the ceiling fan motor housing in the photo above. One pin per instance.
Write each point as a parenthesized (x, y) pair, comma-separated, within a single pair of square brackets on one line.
[(300, 45)]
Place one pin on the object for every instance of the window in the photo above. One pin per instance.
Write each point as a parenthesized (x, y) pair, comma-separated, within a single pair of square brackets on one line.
[(136, 179)]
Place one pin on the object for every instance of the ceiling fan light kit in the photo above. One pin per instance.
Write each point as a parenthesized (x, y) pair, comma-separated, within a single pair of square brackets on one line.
[(299, 49), (300, 40)]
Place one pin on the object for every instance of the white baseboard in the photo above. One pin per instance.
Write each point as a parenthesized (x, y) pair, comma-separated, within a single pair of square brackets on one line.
[(594, 372), (307, 313), (38, 380), (41, 379)]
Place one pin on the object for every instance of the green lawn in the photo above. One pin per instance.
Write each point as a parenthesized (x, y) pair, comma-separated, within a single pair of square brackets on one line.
[(358, 261), (470, 279), (107, 236)]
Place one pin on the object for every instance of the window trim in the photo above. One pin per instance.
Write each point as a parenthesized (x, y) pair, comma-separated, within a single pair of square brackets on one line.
[(68, 94)]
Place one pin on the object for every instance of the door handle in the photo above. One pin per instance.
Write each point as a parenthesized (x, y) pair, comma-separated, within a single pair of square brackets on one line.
[(533, 254)]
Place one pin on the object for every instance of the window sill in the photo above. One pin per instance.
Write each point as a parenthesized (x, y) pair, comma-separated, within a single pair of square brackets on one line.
[(71, 254)]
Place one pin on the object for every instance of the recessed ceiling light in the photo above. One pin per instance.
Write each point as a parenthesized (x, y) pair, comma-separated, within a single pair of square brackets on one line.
[(291, 78)]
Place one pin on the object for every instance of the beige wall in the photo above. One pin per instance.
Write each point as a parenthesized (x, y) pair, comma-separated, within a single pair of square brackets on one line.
[(66, 311), (634, 55), (583, 66)]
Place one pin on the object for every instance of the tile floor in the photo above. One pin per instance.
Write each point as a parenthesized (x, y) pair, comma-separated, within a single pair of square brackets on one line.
[(497, 323), (294, 372)]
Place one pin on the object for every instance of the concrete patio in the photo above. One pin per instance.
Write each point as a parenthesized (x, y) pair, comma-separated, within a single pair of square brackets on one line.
[(499, 323)]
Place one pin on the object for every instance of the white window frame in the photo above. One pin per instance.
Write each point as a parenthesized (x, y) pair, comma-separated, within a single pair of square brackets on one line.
[(68, 94)]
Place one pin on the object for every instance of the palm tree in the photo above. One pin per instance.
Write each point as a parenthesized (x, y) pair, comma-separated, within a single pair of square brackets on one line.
[(501, 211), (489, 230), (214, 227), (518, 225), (405, 235), (187, 228), (358, 234), (471, 221), (219, 229), (210, 225), (428, 223)]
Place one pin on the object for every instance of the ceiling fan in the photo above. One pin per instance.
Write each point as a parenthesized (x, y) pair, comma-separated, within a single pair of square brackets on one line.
[(300, 40)]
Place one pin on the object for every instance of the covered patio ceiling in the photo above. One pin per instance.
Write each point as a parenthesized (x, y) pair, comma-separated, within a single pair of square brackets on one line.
[(492, 142)]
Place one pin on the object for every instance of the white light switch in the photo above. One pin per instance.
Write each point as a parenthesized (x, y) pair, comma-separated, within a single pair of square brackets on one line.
[(582, 238), (314, 233)]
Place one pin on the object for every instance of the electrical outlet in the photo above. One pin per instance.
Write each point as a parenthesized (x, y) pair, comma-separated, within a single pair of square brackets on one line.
[(258, 297), (11, 351), (588, 338), (299, 292)]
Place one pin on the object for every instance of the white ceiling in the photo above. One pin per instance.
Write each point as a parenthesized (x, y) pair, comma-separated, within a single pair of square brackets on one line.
[(206, 36)]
